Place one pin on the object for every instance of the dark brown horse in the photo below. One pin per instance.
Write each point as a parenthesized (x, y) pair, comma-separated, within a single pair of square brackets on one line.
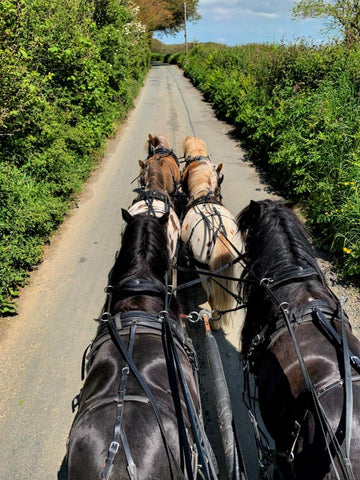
[(122, 429), (302, 414)]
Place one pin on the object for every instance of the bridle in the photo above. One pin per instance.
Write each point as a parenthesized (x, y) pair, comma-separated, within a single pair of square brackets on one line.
[(149, 196), (161, 151), (320, 312), (113, 328)]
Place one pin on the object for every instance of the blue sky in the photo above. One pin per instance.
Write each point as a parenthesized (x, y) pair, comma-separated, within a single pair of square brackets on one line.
[(236, 22)]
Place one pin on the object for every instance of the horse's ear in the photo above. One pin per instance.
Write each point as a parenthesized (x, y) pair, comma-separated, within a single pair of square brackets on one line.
[(164, 219), (141, 164), (219, 168), (127, 217), (186, 138), (248, 216), (150, 137)]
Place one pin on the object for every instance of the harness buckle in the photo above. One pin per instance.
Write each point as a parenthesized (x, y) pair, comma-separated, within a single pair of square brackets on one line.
[(114, 447)]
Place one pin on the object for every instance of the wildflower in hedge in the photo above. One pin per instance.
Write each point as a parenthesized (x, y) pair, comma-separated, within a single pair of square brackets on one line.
[(326, 213), (346, 183), (347, 250)]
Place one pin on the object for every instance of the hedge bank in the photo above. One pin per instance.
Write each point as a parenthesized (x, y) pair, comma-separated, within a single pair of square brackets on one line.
[(69, 72), (297, 111)]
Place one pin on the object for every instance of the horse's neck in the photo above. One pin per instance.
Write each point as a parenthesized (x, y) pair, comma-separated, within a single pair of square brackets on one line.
[(200, 190), (154, 185)]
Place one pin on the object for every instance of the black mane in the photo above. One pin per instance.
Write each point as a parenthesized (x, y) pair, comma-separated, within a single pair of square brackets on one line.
[(143, 255), (276, 239)]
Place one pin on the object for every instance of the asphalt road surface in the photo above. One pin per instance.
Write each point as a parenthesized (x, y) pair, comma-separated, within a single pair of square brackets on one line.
[(41, 348)]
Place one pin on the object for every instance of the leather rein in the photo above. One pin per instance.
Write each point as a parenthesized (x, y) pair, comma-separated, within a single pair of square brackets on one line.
[(319, 313), (113, 328)]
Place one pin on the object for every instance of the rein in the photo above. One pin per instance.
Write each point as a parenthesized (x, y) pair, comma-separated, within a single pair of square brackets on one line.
[(349, 358), (149, 196), (126, 323)]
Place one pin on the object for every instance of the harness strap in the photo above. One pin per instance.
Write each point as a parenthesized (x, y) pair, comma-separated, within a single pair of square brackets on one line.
[(354, 359), (207, 274), (122, 349), (293, 274), (131, 467), (198, 158), (194, 420), (163, 151), (118, 430)]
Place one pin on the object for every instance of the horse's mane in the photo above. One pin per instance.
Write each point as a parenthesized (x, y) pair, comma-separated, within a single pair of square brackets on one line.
[(194, 147), (143, 254), (202, 177), (154, 175), (275, 239)]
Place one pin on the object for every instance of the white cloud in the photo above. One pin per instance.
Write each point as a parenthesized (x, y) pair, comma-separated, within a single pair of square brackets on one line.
[(221, 13), (262, 8)]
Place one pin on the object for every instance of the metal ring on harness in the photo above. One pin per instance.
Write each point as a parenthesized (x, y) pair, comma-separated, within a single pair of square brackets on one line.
[(265, 281), (284, 306), (193, 317), (105, 317), (216, 315)]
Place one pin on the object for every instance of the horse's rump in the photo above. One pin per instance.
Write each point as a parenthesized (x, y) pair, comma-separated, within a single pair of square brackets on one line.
[(210, 232), (159, 208)]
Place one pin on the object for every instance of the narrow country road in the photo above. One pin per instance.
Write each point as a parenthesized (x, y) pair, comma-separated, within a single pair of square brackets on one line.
[(41, 348)]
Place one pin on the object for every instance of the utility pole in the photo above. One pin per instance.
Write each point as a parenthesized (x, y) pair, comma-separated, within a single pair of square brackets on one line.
[(186, 45)]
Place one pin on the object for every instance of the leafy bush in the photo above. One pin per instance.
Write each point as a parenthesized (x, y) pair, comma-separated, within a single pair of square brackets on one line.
[(70, 71), (297, 110)]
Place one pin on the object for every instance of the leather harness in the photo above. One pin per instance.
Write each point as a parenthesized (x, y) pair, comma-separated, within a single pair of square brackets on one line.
[(320, 313)]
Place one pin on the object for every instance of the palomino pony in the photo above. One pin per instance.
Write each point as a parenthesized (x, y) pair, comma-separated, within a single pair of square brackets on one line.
[(309, 401), (132, 423), (159, 151), (153, 199), (209, 230)]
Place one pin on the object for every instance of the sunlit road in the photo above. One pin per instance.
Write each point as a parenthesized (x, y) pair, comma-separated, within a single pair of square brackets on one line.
[(41, 348)]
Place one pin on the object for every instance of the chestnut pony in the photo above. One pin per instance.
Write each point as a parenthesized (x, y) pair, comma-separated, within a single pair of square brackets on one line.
[(312, 416), (209, 230), (123, 430), (154, 199), (159, 151)]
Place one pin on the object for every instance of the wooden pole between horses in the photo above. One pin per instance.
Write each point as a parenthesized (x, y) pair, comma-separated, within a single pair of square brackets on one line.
[(223, 404)]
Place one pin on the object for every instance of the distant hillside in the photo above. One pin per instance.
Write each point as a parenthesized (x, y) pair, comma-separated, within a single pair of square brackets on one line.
[(158, 47)]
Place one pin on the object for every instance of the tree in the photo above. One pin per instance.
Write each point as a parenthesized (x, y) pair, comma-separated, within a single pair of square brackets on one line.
[(341, 14), (166, 15)]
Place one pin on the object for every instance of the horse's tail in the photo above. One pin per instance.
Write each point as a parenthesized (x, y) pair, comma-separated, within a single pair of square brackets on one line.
[(222, 254)]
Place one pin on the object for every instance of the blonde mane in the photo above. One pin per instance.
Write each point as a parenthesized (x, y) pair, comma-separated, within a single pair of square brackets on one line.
[(194, 147), (201, 180)]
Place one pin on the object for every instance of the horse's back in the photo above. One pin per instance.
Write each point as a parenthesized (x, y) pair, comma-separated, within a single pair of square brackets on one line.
[(207, 224)]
